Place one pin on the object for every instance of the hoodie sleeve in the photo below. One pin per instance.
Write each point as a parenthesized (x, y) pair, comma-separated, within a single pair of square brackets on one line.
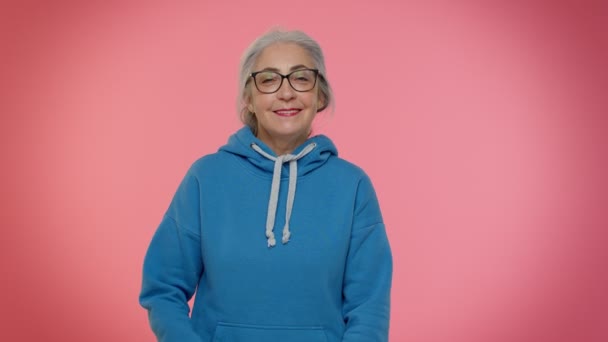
[(368, 273), (172, 267)]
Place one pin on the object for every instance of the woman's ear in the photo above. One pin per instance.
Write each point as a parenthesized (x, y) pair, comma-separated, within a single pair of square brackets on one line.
[(247, 101), (320, 102)]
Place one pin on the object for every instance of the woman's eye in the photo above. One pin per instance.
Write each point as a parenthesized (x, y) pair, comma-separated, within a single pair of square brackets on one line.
[(267, 78), (300, 77)]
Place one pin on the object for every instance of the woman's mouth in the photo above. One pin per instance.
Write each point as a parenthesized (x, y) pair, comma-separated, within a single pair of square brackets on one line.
[(287, 112)]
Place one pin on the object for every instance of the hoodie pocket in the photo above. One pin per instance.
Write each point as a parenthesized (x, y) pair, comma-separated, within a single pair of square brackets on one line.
[(232, 332)]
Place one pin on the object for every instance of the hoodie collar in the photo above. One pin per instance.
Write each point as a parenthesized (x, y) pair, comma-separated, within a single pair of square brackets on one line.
[(240, 143)]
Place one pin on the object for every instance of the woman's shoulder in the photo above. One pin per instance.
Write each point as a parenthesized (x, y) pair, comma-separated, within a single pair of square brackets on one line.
[(211, 162), (346, 167)]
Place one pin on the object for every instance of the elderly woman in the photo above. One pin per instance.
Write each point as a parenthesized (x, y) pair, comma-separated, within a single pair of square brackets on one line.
[(280, 238)]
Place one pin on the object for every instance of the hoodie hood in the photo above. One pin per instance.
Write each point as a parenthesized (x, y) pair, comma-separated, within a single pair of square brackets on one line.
[(304, 159), (240, 144)]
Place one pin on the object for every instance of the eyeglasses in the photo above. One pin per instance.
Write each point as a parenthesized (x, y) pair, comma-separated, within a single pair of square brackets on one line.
[(268, 82)]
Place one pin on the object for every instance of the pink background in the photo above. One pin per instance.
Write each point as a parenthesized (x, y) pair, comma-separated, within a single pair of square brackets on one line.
[(483, 127)]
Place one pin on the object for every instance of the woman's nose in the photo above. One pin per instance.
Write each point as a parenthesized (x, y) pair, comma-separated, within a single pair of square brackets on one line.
[(286, 92)]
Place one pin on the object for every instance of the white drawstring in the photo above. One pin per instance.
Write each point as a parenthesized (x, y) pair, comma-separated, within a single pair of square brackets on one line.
[(274, 189)]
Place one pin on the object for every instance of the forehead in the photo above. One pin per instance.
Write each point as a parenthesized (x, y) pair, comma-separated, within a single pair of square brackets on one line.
[(283, 56)]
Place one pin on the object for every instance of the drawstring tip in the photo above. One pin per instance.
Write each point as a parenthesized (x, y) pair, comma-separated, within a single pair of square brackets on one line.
[(286, 237), (271, 242)]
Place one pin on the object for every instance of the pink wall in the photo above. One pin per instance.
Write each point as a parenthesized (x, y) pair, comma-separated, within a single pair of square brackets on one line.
[(483, 127)]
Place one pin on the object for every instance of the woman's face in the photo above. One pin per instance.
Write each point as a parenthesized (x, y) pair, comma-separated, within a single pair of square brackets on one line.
[(284, 116)]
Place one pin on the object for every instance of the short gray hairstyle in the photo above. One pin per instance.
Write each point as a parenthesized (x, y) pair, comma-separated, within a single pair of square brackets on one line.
[(252, 53)]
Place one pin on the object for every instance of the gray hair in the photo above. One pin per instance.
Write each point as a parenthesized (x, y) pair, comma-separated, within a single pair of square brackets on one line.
[(253, 52)]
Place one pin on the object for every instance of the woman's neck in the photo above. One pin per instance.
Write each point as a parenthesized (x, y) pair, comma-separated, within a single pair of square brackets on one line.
[(281, 146)]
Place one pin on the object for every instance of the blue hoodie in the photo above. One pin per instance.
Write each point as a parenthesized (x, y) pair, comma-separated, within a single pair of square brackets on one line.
[(290, 248)]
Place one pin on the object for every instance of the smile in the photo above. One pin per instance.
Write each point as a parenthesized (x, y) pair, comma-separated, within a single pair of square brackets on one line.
[(287, 112)]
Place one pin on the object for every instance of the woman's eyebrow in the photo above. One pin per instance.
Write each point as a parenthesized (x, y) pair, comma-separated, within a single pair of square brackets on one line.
[(295, 67)]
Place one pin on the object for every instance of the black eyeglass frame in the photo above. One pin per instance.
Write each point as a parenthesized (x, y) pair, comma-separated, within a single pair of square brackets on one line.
[(253, 74)]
